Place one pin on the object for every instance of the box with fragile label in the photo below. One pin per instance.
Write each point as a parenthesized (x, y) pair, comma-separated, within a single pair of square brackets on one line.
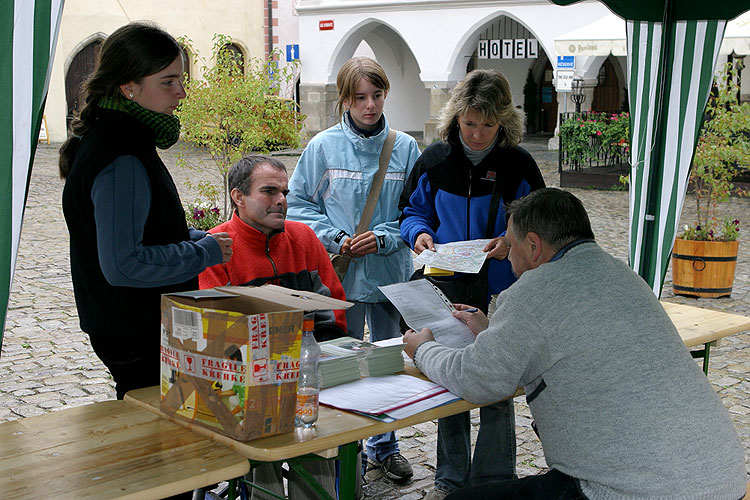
[(230, 357)]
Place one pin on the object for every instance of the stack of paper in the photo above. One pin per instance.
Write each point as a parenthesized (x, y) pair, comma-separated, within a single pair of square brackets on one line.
[(387, 398), (337, 365), (374, 360)]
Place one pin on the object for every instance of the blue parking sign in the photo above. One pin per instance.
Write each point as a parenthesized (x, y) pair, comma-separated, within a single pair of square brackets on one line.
[(566, 62), (292, 52)]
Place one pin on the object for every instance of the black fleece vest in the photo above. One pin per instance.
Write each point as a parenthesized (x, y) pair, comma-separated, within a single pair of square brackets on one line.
[(104, 309)]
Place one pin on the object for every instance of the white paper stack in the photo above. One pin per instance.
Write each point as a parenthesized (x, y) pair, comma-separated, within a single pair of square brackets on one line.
[(337, 365), (373, 360)]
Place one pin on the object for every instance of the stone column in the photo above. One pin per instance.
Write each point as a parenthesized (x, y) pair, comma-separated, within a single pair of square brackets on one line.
[(318, 103), (438, 97)]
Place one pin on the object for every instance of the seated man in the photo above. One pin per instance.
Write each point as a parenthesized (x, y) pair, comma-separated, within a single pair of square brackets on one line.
[(621, 408), (270, 249)]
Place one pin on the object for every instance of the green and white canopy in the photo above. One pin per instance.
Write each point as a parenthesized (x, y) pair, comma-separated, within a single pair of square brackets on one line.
[(672, 48), (28, 35)]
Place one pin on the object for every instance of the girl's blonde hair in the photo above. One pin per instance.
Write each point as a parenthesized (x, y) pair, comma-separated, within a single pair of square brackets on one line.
[(352, 72), (486, 91)]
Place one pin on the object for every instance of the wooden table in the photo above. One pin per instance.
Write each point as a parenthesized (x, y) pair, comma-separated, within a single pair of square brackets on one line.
[(338, 428), (108, 450), (335, 435), (704, 327)]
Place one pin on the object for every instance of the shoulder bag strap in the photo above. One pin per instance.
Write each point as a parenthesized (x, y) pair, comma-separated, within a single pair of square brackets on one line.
[(377, 182)]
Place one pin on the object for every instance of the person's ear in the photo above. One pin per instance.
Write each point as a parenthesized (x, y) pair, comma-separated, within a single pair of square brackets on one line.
[(237, 197), (127, 90), (534, 241)]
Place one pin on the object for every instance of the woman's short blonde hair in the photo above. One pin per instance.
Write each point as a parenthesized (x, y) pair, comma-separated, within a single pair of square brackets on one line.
[(352, 72), (487, 92)]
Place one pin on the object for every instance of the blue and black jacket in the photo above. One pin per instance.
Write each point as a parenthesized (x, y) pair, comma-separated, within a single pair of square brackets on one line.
[(448, 197)]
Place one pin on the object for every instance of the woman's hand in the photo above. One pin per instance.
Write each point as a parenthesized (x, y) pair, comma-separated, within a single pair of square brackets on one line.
[(225, 243), (364, 243), (473, 317), (423, 242), (498, 248)]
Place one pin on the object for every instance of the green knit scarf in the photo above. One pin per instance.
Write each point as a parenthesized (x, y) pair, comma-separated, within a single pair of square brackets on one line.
[(165, 127)]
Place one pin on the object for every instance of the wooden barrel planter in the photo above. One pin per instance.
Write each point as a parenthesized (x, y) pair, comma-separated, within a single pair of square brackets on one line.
[(703, 268)]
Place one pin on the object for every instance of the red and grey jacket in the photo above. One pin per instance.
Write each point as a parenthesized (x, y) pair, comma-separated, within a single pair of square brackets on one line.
[(292, 258)]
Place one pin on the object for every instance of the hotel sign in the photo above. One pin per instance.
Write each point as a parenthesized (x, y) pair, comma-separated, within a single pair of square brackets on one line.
[(517, 48)]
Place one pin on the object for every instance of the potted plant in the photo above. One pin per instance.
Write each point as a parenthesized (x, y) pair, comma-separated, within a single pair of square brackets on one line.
[(705, 254)]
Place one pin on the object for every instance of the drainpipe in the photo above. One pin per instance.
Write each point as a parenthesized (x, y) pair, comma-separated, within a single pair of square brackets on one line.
[(270, 27)]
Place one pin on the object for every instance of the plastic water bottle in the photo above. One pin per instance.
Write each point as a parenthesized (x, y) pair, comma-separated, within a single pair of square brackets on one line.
[(308, 384)]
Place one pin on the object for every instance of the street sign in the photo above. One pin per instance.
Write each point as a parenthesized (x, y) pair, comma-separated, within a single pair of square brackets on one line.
[(566, 62), (565, 80), (292, 52), (325, 25)]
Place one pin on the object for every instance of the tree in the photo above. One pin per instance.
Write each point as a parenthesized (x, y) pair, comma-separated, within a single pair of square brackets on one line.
[(231, 112), (723, 147)]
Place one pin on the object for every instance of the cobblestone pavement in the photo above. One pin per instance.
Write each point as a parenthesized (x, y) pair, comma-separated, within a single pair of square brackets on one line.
[(47, 364)]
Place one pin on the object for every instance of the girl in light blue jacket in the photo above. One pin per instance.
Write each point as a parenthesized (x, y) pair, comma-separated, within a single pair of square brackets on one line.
[(328, 191)]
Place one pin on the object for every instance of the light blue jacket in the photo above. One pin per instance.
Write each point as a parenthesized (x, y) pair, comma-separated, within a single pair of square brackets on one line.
[(328, 191)]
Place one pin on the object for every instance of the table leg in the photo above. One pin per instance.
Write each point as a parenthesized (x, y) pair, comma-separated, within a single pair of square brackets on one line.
[(348, 471), (703, 353)]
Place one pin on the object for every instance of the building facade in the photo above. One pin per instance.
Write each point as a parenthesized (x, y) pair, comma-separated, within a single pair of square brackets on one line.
[(86, 23), (427, 46)]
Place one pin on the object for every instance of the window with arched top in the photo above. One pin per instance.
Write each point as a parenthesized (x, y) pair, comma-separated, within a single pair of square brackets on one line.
[(78, 71), (236, 53)]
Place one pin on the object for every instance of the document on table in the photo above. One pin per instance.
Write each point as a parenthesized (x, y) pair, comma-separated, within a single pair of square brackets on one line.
[(423, 305), (458, 256), (387, 398)]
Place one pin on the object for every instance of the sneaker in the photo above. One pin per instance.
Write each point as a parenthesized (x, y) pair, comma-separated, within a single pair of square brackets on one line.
[(395, 467), (436, 494)]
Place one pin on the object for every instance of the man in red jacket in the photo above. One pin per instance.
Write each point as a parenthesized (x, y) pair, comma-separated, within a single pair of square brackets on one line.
[(269, 249)]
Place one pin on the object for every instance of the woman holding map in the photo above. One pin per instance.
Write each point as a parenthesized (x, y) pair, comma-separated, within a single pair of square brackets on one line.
[(457, 192)]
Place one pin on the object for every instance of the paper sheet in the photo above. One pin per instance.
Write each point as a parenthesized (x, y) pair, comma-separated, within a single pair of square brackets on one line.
[(423, 305), (397, 396), (458, 256)]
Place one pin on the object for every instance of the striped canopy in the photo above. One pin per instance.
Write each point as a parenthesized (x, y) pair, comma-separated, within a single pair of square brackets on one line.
[(28, 35), (673, 47)]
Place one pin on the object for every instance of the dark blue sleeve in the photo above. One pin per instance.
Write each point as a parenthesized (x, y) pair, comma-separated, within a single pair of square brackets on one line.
[(419, 215), (121, 195)]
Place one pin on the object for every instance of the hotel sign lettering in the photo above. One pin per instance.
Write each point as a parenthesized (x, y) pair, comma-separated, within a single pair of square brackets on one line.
[(517, 48)]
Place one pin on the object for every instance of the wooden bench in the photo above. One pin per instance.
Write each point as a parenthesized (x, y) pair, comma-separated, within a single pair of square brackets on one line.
[(108, 450)]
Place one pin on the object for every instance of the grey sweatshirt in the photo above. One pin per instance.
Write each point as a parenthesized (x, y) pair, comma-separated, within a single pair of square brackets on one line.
[(618, 400)]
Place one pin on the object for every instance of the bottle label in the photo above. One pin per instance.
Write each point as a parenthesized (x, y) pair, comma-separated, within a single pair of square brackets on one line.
[(307, 408)]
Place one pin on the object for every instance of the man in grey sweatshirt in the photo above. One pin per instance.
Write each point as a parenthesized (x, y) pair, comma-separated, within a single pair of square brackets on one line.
[(621, 408)]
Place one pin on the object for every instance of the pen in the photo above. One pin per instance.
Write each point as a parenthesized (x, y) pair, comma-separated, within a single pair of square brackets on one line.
[(473, 310)]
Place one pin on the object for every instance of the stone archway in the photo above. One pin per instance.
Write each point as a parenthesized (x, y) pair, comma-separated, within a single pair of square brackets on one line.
[(79, 69), (407, 104)]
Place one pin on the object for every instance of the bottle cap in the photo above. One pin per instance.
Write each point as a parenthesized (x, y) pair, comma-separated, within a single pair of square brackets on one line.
[(308, 325)]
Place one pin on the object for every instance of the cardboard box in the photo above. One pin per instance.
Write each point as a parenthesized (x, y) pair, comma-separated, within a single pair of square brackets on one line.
[(230, 357)]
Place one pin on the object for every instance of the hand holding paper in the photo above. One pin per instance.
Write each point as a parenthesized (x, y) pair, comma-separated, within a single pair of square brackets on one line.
[(423, 305)]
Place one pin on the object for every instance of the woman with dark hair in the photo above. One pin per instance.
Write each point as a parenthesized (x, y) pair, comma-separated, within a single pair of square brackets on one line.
[(129, 241), (457, 192)]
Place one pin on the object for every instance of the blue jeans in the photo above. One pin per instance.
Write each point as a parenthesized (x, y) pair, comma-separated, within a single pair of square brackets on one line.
[(553, 485), (383, 321), (494, 452)]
